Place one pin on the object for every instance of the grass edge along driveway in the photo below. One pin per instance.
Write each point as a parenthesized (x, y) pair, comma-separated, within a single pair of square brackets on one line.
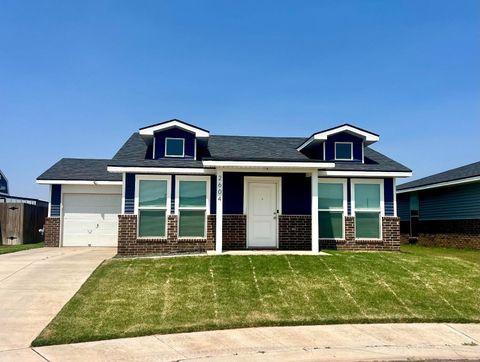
[(6, 249), (135, 297)]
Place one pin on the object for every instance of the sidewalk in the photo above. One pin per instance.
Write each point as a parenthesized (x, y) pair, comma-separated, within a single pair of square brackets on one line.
[(374, 342)]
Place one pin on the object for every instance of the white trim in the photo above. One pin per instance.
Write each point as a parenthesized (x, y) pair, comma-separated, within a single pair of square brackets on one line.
[(219, 213), (154, 140), (124, 177), (324, 154), (167, 207), (364, 173), (183, 146), (314, 211), (179, 178), (277, 180), (195, 150), (351, 151), (253, 164), (49, 201), (149, 131), (363, 151), (79, 182), (440, 184), (344, 182), (395, 197), (367, 136), (161, 170), (380, 182)]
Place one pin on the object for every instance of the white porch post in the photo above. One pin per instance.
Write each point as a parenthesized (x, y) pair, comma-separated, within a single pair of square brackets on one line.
[(219, 215), (315, 246)]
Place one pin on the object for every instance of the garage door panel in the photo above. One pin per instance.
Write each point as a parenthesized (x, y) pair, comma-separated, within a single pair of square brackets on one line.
[(90, 219)]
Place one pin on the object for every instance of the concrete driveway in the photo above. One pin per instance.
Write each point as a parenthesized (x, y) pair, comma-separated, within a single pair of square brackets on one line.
[(35, 284)]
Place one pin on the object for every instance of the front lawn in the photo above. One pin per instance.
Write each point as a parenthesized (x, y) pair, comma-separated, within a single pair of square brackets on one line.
[(5, 249), (136, 297)]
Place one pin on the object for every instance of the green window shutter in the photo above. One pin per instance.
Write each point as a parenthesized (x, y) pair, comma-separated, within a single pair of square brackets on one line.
[(152, 193), (367, 225), (151, 223), (330, 224), (192, 223), (330, 195), (193, 193), (367, 196)]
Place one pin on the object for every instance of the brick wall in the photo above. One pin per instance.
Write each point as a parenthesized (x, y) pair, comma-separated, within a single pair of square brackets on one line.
[(234, 232), (52, 231), (452, 233), (295, 232), (130, 245), (390, 237)]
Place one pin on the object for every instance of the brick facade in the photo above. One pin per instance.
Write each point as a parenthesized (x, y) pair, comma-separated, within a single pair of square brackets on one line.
[(450, 233), (52, 231), (234, 232), (295, 232), (130, 245), (390, 237)]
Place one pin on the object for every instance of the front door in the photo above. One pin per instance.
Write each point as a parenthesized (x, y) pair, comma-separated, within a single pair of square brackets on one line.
[(262, 215)]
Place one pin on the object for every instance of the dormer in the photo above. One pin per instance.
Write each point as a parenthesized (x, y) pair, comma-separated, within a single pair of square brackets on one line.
[(174, 139), (340, 144)]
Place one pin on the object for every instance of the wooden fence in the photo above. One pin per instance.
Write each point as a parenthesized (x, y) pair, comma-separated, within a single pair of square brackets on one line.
[(20, 223)]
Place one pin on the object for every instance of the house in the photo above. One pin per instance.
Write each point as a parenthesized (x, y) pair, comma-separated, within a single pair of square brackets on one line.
[(174, 188), (3, 184), (442, 209)]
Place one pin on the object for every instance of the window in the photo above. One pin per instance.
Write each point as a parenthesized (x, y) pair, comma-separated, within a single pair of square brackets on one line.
[(192, 203), (343, 151), (174, 147), (368, 203), (331, 208), (152, 195)]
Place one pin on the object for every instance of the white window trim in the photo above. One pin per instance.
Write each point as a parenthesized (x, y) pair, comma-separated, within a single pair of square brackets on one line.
[(342, 181), (178, 208), (175, 138), (351, 149), (167, 207), (382, 203)]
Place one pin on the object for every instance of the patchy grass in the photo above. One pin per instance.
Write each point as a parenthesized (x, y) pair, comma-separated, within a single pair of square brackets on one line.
[(5, 249), (135, 297)]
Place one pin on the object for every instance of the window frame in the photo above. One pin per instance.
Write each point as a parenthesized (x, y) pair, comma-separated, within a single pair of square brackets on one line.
[(167, 206), (351, 151), (175, 138), (344, 209), (178, 208), (380, 211)]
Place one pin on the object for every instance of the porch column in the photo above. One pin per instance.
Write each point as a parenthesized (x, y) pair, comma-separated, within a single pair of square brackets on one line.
[(219, 215), (315, 247)]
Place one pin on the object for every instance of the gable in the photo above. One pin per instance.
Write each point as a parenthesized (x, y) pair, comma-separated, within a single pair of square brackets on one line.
[(160, 142)]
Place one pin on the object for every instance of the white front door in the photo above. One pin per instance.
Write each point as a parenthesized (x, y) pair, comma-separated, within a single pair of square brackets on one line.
[(262, 214)]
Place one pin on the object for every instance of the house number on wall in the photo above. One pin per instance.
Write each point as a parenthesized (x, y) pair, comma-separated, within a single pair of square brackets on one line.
[(219, 187)]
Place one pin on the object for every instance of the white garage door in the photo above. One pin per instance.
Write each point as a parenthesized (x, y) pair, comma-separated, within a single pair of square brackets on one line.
[(90, 219)]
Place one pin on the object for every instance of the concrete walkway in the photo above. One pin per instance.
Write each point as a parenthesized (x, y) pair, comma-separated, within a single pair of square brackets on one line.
[(35, 284), (368, 342)]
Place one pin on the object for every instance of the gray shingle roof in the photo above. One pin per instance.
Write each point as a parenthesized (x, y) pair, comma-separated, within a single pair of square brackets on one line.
[(80, 169), (459, 173), (374, 161)]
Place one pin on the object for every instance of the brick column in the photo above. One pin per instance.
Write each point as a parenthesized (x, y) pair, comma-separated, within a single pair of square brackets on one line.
[(391, 233), (52, 231)]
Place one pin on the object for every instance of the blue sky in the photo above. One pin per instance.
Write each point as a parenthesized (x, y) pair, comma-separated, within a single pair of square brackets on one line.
[(78, 77)]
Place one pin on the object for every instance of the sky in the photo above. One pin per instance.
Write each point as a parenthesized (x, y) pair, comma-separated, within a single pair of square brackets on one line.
[(78, 77)]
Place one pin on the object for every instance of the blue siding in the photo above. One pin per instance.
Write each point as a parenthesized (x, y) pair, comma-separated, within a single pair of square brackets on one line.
[(175, 133), (451, 203), (388, 193), (129, 193), (232, 193), (173, 185), (343, 137), (349, 196), (213, 194), (403, 207), (56, 199)]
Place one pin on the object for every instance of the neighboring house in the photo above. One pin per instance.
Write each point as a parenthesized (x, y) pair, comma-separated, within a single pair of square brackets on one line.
[(442, 209), (3, 184), (173, 187)]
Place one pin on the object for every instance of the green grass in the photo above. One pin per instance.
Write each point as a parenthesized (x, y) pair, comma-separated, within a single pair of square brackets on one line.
[(134, 297), (5, 249)]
